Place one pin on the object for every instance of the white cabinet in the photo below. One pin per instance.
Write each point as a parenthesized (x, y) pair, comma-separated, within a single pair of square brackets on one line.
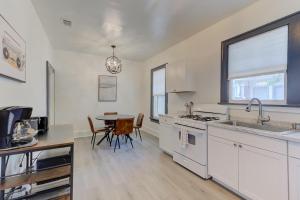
[(294, 170), (223, 161), (294, 178), (179, 77), (243, 165), (262, 174), (167, 137)]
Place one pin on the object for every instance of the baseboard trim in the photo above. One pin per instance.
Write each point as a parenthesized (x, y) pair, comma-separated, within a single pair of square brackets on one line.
[(150, 131)]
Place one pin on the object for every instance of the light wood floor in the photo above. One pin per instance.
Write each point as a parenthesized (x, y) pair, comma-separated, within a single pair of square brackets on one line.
[(142, 173)]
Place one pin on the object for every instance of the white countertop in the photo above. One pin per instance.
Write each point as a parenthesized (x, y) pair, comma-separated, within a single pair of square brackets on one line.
[(169, 115), (293, 136)]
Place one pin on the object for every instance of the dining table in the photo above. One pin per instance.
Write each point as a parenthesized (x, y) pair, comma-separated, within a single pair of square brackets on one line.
[(114, 118)]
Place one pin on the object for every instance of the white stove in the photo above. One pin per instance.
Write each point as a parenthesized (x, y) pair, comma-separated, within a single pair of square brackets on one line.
[(191, 140)]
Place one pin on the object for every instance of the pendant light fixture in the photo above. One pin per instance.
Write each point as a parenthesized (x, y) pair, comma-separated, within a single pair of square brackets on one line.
[(113, 64)]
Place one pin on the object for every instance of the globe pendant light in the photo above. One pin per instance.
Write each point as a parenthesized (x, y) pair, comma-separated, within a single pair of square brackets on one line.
[(113, 64)]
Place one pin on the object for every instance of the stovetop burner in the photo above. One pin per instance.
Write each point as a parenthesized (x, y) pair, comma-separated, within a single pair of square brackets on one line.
[(200, 118)]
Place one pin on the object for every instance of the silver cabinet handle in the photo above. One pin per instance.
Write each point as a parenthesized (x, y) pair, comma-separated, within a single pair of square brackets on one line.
[(235, 145), (240, 146)]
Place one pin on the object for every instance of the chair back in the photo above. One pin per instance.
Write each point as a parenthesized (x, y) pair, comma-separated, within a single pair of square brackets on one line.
[(124, 126), (139, 121), (91, 124), (109, 122)]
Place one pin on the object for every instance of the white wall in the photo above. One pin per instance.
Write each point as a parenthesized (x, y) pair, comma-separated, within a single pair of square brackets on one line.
[(204, 50), (22, 16), (77, 92)]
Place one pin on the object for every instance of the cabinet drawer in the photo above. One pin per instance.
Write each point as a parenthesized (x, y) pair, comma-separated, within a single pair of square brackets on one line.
[(270, 144), (294, 149), (195, 167)]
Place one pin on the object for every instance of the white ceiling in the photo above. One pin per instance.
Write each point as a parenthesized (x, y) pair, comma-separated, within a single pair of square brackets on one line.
[(139, 28)]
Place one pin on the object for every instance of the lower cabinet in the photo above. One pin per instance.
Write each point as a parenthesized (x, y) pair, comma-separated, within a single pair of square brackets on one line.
[(262, 174), (253, 172), (223, 161), (294, 178), (167, 138)]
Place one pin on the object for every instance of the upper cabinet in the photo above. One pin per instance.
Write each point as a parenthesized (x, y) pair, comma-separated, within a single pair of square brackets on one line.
[(180, 77)]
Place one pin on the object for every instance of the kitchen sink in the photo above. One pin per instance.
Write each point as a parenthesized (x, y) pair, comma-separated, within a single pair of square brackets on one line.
[(265, 127)]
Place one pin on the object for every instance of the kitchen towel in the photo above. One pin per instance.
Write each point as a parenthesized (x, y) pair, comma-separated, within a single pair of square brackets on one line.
[(184, 138)]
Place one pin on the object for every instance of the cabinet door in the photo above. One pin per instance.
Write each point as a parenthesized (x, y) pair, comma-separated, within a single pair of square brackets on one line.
[(167, 138), (294, 178), (223, 161), (262, 174), (176, 76)]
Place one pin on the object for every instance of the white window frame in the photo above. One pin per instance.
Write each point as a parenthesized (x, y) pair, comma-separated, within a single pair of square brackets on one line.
[(152, 117), (270, 102)]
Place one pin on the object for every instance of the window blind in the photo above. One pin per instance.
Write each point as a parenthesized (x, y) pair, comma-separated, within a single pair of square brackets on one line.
[(262, 54), (159, 82)]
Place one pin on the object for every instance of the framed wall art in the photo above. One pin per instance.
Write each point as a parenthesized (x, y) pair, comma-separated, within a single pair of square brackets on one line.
[(107, 88), (13, 52)]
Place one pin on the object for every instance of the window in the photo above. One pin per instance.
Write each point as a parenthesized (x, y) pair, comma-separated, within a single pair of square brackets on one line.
[(158, 92), (268, 88), (263, 63), (257, 67)]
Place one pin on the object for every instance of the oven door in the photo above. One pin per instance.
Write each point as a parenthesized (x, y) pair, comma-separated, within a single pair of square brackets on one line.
[(196, 148)]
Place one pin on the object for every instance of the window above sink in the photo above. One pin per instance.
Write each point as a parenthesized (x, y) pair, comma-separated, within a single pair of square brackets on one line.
[(263, 63)]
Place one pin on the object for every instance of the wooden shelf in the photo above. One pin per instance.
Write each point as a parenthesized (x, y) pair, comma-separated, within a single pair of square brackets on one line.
[(34, 177), (64, 197)]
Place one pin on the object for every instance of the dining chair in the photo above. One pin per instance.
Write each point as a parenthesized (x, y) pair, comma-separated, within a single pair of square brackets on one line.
[(138, 125), (109, 124), (95, 131), (123, 127)]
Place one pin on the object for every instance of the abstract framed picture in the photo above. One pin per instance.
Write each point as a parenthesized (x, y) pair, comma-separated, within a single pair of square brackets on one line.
[(107, 88), (13, 52)]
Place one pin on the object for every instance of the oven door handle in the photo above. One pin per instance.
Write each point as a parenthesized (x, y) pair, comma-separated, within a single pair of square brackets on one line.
[(190, 126)]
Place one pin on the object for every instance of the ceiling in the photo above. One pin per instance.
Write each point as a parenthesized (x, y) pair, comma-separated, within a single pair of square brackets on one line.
[(139, 28)]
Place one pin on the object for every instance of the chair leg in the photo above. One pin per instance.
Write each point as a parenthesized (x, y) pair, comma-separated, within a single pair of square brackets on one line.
[(108, 137), (135, 132), (119, 142), (92, 138), (111, 139), (140, 135), (116, 143), (130, 139), (94, 141)]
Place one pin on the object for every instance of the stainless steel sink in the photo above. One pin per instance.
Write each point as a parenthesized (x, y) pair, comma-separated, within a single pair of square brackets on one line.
[(265, 127)]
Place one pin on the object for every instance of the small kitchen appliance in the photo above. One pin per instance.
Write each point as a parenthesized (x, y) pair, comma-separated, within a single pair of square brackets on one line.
[(13, 119), (41, 124)]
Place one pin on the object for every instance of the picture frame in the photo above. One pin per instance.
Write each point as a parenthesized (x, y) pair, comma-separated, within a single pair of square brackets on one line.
[(13, 52), (107, 88)]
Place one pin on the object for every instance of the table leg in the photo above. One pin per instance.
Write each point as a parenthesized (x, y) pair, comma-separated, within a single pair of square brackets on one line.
[(105, 136), (72, 172), (3, 169)]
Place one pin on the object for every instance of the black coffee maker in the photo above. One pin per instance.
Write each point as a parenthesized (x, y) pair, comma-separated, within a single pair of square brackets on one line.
[(8, 118)]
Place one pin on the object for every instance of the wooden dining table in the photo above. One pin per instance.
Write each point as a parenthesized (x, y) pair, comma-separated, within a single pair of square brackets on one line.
[(114, 117), (111, 118)]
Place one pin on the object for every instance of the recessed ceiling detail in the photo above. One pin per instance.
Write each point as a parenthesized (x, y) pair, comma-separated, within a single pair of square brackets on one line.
[(140, 28)]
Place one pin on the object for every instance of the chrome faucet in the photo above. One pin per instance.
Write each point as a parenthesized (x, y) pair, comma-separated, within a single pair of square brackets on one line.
[(189, 107), (261, 119)]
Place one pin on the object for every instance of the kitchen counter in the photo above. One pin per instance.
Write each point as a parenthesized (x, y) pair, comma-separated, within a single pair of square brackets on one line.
[(293, 136), (173, 115)]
